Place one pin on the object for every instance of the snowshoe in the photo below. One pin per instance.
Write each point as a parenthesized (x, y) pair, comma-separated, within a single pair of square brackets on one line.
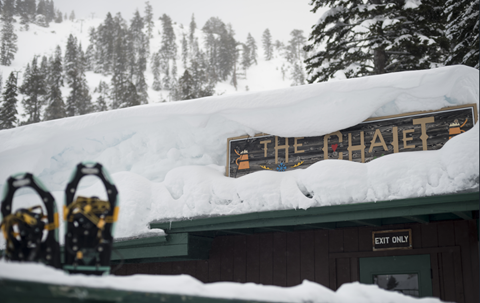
[(24, 229), (89, 223)]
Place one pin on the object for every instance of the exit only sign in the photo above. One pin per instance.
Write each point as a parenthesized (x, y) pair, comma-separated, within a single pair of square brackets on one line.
[(392, 239)]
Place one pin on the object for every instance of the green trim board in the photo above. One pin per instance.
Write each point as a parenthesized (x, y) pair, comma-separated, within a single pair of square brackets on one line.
[(176, 247), (454, 206), (13, 291), (415, 264)]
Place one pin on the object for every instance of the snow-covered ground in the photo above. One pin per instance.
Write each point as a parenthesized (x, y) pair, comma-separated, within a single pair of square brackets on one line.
[(186, 285), (168, 159)]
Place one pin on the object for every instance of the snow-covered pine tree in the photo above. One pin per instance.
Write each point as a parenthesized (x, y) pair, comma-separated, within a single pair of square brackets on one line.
[(58, 16), (184, 90), (294, 51), (8, 46), (50, 11), (84, 101), (79, 99), (376, 37), (149, 20), (463, 32), (72, 16), (137, 56), (220, 49), (34, 88), (71, 74), (267, 45), (297, 75), (155, 65), (194, 83), (167, 53), (252, 45), (169, 45), (184, 51), (193, 27), (22, 10), (246, 58), (121, 91), (31, 8), (56, 107), (102, 101), (8, 9), (90, 58), (8, 109)]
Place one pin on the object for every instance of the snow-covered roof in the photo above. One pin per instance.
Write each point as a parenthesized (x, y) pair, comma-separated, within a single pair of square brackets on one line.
[(168, 160)]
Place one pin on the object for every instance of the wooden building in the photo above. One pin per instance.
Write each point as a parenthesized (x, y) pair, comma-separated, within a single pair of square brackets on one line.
[(424, 246), (329, 245)]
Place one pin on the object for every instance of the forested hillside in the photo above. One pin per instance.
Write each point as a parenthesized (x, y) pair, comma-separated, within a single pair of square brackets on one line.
[(56, 66)]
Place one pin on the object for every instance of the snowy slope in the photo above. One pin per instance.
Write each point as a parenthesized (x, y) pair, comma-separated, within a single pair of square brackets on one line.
[(41, 41), (182, 284), (168, 159)]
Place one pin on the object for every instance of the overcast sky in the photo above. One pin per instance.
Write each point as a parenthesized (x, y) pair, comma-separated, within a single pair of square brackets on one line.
[(254, 16)]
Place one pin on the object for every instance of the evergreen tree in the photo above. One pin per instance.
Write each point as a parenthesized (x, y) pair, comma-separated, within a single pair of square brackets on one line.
[(267, 45), (8, 110), (220, 49), (22, 10), (31, 8), (155, 65), (374, 39), (149, 20), (58, 17), (102, 101), (463, 32), (184, 51), (294, 50), (72, 16), (56, 107), (252, 45), (8, 9), (8, 41), (33, 88), (193, 27), (169, 46), (184, 88), (79, 99), (194, 82), (297, 75), (137, 57), (246, 58), (120, 84)]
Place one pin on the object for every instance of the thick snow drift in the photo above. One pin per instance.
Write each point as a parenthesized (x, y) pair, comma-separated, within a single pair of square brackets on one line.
[(186, 285), (168, 160)]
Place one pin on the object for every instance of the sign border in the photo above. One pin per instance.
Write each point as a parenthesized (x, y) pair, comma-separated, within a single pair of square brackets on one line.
[(382, 118), (390, 231)]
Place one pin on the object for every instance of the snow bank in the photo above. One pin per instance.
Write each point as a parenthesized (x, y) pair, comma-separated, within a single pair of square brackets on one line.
[(168, 160), (186, 285)]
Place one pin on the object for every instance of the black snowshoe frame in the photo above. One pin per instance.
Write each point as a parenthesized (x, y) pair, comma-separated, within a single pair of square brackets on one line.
[(24, 229), (89, 223)]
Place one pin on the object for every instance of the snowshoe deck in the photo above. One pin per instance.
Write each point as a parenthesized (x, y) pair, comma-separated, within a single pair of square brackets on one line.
[(89, 223), (24, 228)]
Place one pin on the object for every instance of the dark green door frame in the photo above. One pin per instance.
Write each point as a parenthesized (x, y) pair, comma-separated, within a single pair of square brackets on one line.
[(413, 264)]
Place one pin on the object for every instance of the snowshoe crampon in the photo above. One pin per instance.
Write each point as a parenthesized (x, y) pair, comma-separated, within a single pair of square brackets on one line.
[(24, 230), (89, 223)]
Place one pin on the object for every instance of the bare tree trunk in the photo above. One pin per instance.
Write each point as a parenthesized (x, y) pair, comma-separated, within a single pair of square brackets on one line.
[(379, 61)]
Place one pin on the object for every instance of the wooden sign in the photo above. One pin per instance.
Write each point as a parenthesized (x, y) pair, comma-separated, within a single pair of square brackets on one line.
[(392, 239), (371, 139)]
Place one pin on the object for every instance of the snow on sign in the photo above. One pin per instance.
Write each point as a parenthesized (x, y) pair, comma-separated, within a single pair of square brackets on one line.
[(373, 138)]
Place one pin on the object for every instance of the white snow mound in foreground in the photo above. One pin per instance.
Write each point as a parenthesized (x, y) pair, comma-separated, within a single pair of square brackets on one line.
[(168, 160), (186, 285)]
